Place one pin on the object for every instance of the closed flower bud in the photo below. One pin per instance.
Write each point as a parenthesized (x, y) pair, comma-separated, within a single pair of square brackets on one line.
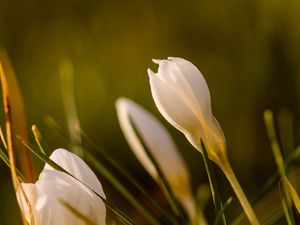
[(142, 130), (182, 97), (53, 188)]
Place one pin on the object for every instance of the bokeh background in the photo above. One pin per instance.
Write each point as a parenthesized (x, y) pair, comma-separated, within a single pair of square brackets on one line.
[(248, 51)]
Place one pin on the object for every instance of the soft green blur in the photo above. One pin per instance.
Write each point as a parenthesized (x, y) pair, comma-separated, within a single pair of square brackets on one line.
[(248, 51)]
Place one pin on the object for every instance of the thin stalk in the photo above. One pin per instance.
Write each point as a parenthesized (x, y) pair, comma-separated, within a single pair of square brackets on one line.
[(78, 214), (277, 152), (58, 131), (68, 93), (38, 138), (285, 205), (10, 146), (99, 167), (216, 196), (227, 170), (219, 215), (125, 173), (5, 159), (275, 177)]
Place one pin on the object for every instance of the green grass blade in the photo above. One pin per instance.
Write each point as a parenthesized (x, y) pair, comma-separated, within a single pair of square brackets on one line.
[(284, 191), (273, 217), (213, 183), (269, 122), (38, 138), (288, 216), (222, 211), (101, 169), (293, 193), (290, 161), (127, 175), (5, 159), (68, 93), (78, 214)]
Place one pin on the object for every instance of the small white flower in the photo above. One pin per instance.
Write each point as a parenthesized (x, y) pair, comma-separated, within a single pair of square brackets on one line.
[(53, 187), (182, 97), (140, 127)]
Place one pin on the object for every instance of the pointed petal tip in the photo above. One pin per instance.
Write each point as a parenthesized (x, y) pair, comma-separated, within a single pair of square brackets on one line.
[(176, 59), (150, 73), (120, 100), (156, 61), (122, 103)]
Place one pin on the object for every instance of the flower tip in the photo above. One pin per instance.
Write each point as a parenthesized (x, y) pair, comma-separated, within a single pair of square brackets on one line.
[(60, 151), (150, 73), (156, 61), (121, 103), (176, 59), (120, 100)]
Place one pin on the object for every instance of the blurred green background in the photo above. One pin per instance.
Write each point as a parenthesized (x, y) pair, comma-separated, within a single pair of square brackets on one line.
[(248, 51)]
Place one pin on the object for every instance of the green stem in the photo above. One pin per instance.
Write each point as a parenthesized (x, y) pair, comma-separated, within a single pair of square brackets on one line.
[(116, 183), (213, 183), (239, 193)]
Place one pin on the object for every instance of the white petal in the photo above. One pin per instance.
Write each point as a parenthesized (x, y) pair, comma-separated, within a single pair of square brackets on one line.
[(156, 61), (53, 186), (160, 145), (150, 73), (154, 136), (173, 108), (188, 82), (129, 133), (77, 167)]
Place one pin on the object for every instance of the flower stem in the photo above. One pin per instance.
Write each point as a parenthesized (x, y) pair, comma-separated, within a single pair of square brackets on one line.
[(213, 183), (239, 193)]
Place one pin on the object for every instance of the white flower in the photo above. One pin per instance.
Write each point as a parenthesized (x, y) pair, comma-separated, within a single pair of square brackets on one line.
[(140, 127), (182, 97), (53, 187)]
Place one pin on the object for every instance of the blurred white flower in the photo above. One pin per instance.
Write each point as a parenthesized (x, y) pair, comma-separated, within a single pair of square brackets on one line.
[(182, 97), (53, 187), (140, 127)]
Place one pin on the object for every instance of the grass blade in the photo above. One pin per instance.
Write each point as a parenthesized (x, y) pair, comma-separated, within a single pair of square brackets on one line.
[(213, 183), (10, 142), (5, 159), (284, 191), (78, 214), (38, 138), (127, 175), (17, 113), (68, 93), (221, 212), (285, 206), (293, 193), (101, 169)]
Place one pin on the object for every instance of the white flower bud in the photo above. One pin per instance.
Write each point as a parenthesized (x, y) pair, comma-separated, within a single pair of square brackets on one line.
[(182, 97), (140, 127)]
